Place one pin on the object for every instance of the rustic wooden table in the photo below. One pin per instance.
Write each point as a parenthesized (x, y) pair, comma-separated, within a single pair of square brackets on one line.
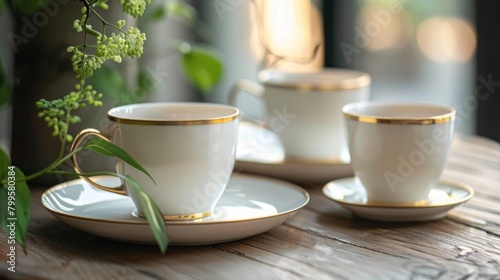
[(322, 241)]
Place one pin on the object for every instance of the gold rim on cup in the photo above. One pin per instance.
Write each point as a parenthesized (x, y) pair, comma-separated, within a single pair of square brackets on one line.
[(437, 119), (196, 121), (354, 80)]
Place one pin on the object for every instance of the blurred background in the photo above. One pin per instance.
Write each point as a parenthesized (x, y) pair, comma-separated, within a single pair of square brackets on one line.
[(436, 51)]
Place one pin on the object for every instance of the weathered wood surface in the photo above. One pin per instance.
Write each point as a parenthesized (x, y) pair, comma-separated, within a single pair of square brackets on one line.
[(323, 241)]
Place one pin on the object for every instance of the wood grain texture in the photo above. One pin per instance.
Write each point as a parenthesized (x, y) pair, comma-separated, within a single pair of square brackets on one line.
[(322, 241)]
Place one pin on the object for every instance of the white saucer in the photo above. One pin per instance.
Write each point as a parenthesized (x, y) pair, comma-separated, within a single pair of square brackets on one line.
[(350, 193), (249, 206), (261, 152)]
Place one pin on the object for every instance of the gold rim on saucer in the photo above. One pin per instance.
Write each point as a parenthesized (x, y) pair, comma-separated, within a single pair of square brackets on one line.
[(58, 210), (432, 202)]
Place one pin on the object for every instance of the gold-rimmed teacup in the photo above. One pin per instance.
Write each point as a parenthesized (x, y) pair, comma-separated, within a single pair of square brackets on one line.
[(188, 148), (303, 108), (398, 150)]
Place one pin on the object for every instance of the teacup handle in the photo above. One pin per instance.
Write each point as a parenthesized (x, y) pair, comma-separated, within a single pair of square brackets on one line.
[(249, 87), (78, 139)]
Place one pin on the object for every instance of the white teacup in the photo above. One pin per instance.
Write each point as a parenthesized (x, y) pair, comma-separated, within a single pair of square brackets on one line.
[(304, 108), (188, 148), (398, 150)]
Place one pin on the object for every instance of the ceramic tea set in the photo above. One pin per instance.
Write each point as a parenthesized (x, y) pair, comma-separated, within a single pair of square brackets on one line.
[(386, 159)]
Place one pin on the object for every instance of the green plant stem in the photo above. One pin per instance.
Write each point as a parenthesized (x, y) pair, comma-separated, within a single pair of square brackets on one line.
[(103, 21), (86, 4), (96, 173), (152, 212), (63, 137), (49, 168), (58, 161)]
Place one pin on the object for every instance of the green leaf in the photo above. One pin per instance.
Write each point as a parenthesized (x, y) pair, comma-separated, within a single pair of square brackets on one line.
[(202, 66), (28, 7), (5, 93), (4, 208), (152, 214), (22, 207), (158, 13), (109, 149), (179, 10), (15, 216), (4, 163), (146, 83), (110, 82)]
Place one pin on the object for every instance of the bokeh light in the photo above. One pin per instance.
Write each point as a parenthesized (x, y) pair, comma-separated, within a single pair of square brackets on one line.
[(447, 39)]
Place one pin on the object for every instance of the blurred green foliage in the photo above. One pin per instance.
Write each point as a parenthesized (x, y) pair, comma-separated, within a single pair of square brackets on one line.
[(202, 65)]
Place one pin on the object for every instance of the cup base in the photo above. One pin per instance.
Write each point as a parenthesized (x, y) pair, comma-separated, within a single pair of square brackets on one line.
[(181, 217), (422, 202)]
